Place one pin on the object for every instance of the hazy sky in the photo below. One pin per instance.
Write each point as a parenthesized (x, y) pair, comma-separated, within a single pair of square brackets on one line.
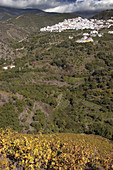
[(60, 5)]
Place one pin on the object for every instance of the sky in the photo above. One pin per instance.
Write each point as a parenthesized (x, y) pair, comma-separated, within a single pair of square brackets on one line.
[(60, 5)]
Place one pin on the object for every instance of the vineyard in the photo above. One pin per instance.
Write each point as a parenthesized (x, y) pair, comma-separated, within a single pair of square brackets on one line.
[(54, 151)]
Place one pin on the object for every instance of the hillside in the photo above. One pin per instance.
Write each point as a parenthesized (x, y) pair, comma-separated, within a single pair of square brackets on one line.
[(56, 95), (55, 151), (18, 28), (104, 14), (56, 84), (59, 85)]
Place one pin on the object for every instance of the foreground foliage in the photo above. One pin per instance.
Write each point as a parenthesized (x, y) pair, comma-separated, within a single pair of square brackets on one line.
[(54, 151)]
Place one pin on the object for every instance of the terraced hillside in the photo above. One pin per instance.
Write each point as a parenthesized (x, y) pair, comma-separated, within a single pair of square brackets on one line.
[(20, 25), (59, 85), (58, 95)]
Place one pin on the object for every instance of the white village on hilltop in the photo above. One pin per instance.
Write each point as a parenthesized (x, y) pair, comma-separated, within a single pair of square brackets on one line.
[(78, 24), (81, 24)]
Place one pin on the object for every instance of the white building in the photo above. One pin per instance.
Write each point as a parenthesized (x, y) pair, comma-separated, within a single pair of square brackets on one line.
[(5, 68), (9, 66), (110, 32), (79, 24), (12, 66), (70, 37), (85, 40), (85, 34)]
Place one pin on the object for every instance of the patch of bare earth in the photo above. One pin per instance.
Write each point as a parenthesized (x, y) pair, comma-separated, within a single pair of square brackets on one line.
[(45, 108)]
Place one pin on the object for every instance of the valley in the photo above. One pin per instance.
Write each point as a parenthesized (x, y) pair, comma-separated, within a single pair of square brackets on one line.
[(56, 90), (50, 82)]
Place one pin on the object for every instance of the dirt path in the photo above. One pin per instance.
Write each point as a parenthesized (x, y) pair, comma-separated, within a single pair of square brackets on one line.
[(54, 82), (19, 16), (8, 33)]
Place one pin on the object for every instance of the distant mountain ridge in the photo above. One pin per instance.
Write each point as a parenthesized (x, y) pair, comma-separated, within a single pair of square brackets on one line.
[(87, 14), (6, 12), (104, 14)]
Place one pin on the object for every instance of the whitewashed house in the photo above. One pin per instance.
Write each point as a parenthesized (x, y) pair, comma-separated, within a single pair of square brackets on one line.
[(12, 66), (110, 32), (9, 66), (5, 68)]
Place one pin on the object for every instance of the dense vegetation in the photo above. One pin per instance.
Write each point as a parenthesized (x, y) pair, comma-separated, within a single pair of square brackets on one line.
[(54, 151), (58, 85)]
